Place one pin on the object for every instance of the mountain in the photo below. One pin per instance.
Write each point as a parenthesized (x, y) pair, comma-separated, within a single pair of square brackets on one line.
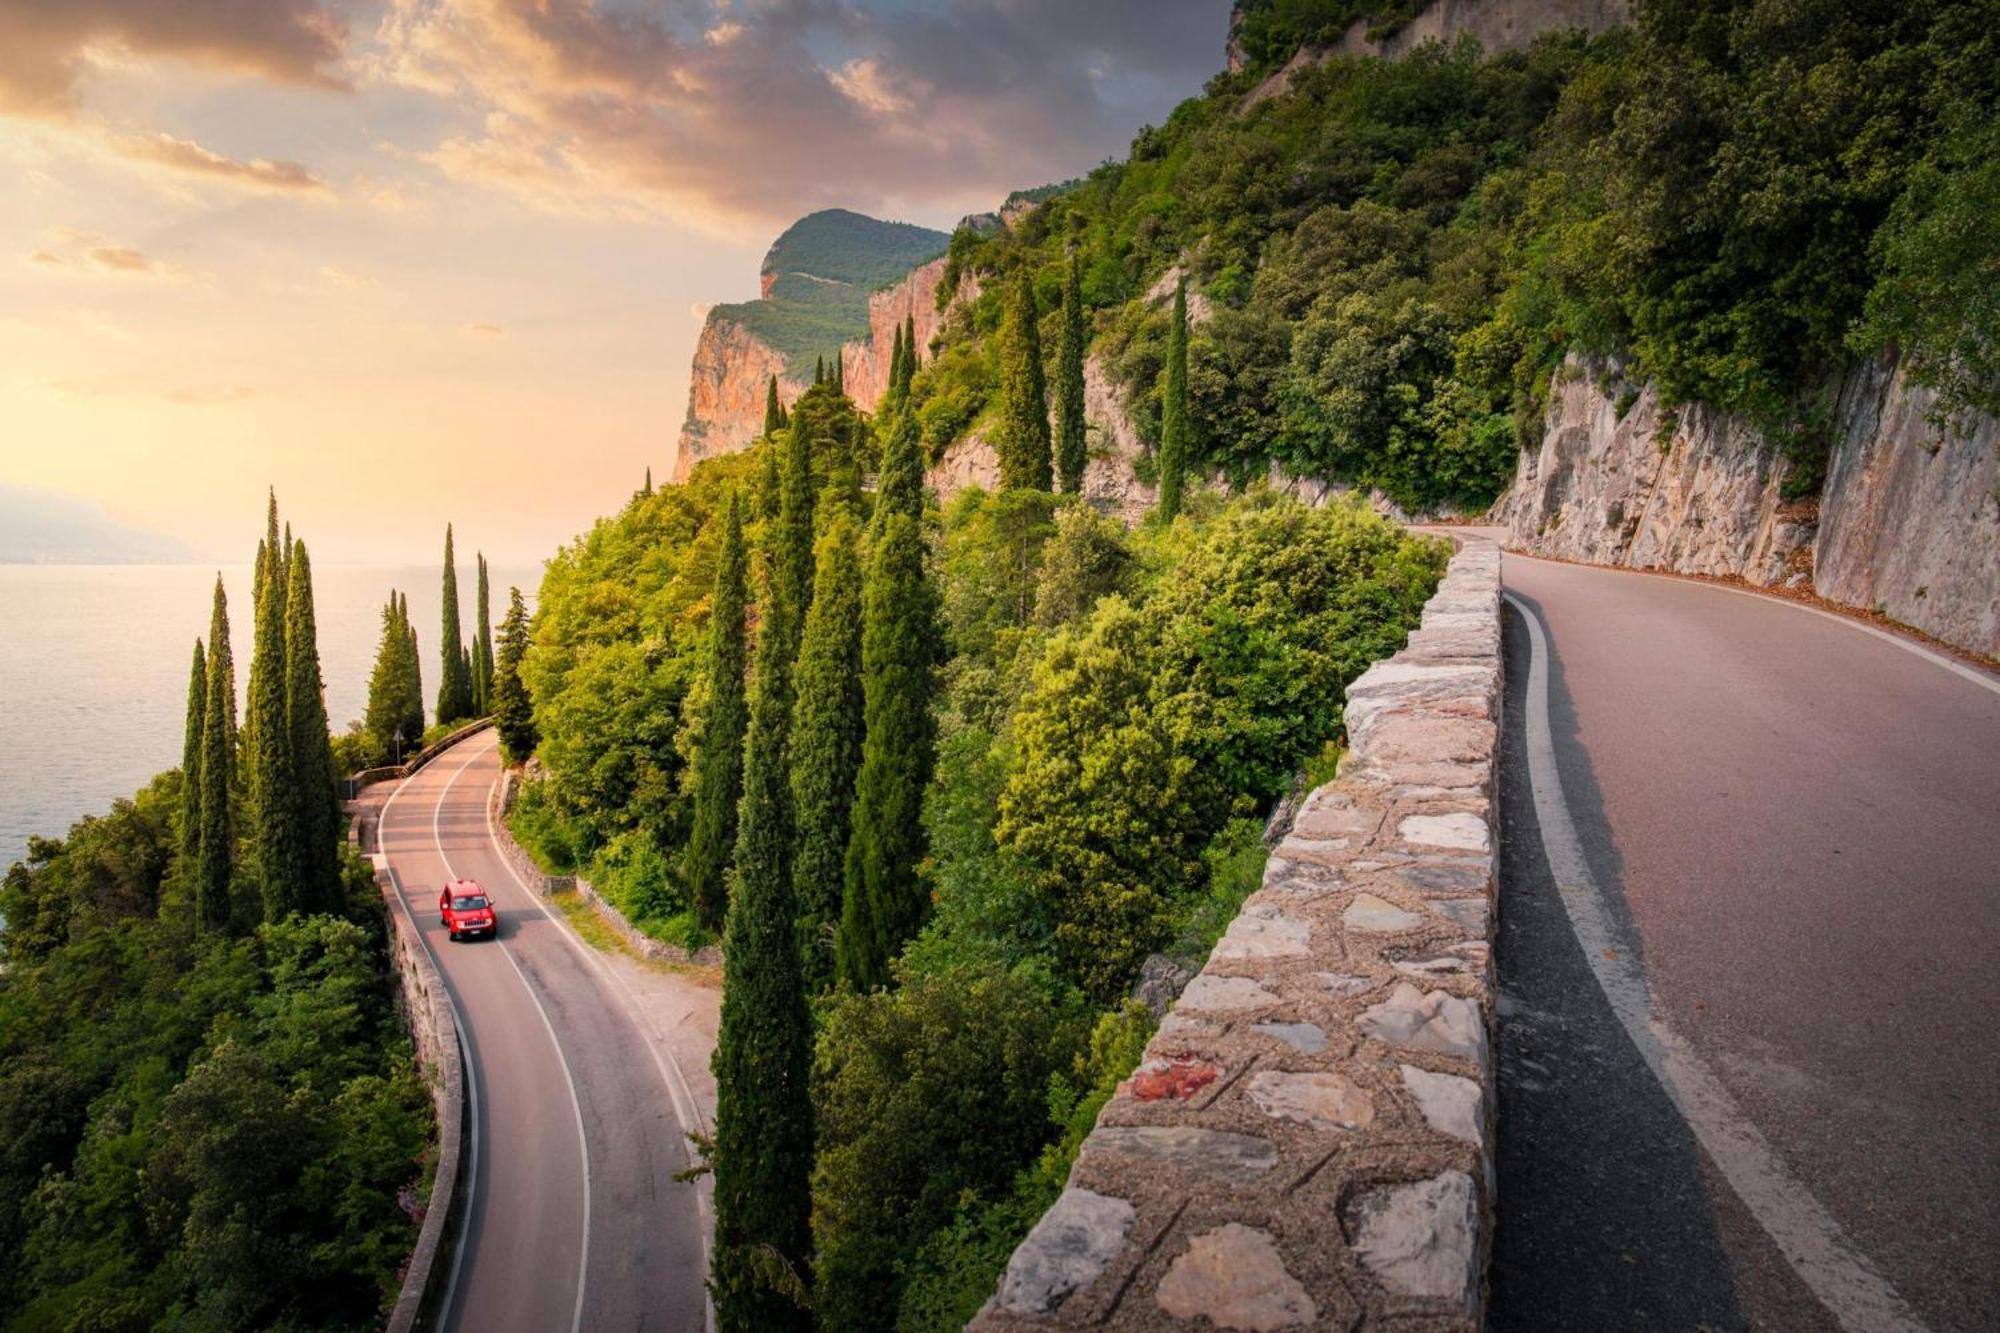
[(816, 281), (50, 528)]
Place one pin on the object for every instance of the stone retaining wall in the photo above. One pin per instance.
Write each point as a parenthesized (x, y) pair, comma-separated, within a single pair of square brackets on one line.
[(1308, 1141), (368, 777)]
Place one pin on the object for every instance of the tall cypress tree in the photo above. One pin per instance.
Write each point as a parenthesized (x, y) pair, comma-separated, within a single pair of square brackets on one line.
[(819, 371), (763, 1116), (454, 701), (1023, 442), (792, 549), (218, 776), (317, 796), (766, 506), (513, 711), (839, 373), (826, 740), (1070, 441), (774, 411), (276, 845), (386, 686), (718, 784), (1174, 411), (883, 901), (197, 707), (911, 361), (413, 680), (482, 646)]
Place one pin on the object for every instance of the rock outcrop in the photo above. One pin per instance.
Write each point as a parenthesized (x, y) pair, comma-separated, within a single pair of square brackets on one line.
[(864, 364), (726, 388), (1907, 523)]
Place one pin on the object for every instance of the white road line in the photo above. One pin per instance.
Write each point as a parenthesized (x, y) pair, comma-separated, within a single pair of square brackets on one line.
[(680, 1096), (1985, 680), (575, 1102), (1839, 1275), (471, 1181)]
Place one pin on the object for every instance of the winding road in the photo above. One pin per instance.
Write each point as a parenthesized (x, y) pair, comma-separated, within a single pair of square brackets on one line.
[(575, 1220), (1749, 960)]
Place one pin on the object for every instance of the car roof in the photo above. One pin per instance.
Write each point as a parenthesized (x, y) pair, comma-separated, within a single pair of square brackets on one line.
[(459, 886)]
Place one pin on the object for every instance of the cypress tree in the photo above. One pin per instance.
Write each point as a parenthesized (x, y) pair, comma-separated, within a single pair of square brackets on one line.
[(218, 743), (718, 781), (767, 480), (910, 359), (1070, 443), (791, 569), (763, 1116), (387, 683), (413, 679), (1173, 411), (454, 701), (774, 411), (276, 846), (1024, 400), (839, 373), (826, 740), (197, 706), (883, 901), (819, 371), (482, 646), (317, 795), (647, 489), (513, 711), (889, 400)]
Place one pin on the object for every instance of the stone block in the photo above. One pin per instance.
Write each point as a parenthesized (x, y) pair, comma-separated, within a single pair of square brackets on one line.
[(1421, 1239), (1323, 1100), (1420, 1020), (1235, 1278), (1067, 1250)]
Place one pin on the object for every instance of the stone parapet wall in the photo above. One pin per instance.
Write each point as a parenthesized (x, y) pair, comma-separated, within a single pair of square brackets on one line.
[(1308, 1142), (434, 1029)]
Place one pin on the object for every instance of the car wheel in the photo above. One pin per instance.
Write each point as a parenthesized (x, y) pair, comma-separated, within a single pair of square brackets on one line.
[(454, 936)]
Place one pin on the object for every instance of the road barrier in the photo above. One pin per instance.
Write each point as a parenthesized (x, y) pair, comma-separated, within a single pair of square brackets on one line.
[(1308, 1142), (352, 785)]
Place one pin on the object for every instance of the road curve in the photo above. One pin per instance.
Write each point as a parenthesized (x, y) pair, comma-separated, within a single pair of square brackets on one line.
[(1787, 837), (575, 1220)]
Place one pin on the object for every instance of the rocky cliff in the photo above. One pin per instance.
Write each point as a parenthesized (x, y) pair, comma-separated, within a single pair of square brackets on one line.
[(1907, 523), (816, 284), (864, 364)]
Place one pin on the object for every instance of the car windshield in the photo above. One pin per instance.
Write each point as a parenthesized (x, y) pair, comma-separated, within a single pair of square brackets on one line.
[(471, 902)]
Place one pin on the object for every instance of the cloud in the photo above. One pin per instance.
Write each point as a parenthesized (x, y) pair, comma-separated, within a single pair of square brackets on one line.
[(186, 155), (486, 330), (716, 112), (336, 276), (86, 252), (45, 45), (203, 395)]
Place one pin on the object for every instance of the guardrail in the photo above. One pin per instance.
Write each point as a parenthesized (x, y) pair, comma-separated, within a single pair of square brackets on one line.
[(1308, 1142), (355, 783)]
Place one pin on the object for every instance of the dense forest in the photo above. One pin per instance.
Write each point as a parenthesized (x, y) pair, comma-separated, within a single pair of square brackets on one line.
[(1734, 200), (945, 780), (210, 1117)]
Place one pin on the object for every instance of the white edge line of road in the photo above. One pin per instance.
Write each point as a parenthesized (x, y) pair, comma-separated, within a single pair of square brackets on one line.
[(1840, 1276), (471, 1075), (1983, 679), (680, 1095), (575, 1102)]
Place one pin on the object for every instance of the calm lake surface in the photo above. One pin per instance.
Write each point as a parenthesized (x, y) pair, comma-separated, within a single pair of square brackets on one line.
[(94, 669)]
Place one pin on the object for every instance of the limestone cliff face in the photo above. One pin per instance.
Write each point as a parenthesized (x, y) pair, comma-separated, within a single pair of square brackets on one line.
[(726, 389), (1908, 521), (1499, 25), (864, 364)]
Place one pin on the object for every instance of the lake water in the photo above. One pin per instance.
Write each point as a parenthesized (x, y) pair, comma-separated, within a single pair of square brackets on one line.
[(94, 669)]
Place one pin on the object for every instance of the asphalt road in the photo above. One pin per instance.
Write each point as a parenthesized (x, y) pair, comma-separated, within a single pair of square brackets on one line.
[(575, 1220), (1749, 958)]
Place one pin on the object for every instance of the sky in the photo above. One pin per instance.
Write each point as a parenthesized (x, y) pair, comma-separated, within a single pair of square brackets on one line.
[(412, 260)]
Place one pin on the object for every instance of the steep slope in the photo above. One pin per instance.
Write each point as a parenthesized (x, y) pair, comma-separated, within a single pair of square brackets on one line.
[(816, 282)]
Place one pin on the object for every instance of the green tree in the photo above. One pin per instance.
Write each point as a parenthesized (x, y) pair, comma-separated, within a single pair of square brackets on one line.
[(926, 1097), (513, 710), (276, 839), (1174, 410), (763, 1121), (317, 792), (218, 776), (883, 901), (197, 705), (390, 686), (792, 541), (1071, 454), (454, 701), (1087, 559), (1023, 430), (413, 678), (482, 646), (826, 740), (718, 767), (774, 410)]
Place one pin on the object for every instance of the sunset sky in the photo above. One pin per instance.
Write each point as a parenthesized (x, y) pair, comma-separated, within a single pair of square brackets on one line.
[(448, 258)]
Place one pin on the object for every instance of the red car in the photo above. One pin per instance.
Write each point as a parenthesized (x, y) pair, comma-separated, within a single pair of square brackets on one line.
[(464, 909)]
